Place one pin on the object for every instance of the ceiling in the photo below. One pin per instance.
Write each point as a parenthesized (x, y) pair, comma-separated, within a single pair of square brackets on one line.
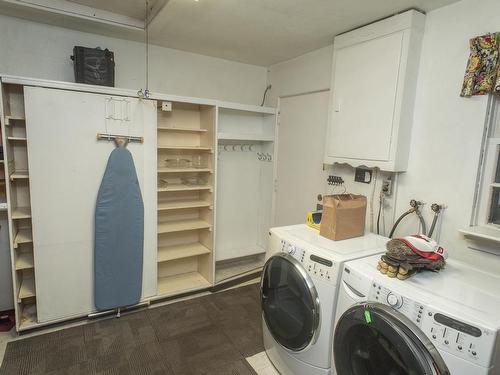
[(260, 32), (129, 8)]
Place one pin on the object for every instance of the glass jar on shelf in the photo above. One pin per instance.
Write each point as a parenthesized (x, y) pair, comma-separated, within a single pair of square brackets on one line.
[(200, 162)]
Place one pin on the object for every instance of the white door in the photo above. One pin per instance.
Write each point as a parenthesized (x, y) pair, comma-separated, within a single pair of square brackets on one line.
[(364, 94), (66, 165), (301, 178)]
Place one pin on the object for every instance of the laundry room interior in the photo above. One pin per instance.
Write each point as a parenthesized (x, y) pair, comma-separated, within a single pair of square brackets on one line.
[(263, 187)]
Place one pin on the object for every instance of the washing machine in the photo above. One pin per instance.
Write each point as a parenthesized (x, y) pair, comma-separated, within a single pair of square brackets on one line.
[(298, 294), (432, 323)]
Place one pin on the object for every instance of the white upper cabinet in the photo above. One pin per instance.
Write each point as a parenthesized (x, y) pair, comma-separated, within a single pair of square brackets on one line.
[(373, 92)]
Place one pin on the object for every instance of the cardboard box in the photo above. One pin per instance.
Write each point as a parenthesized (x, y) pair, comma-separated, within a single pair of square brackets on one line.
[(343, 216)]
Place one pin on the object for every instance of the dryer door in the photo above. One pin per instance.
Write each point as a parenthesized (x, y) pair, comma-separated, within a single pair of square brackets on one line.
[(290, 303), (374, 339)]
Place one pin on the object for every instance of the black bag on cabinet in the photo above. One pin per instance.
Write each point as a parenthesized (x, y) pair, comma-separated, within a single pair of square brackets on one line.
[(94, 66)]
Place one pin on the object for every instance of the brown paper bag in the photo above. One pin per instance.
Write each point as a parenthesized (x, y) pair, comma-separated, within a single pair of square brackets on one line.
[(343, 216)]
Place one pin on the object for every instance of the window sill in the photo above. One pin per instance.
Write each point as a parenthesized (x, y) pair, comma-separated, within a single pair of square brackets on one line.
[(483, 238)]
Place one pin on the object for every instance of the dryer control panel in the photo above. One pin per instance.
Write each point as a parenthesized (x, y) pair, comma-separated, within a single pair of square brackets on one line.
[(451, 334), (315, 265)]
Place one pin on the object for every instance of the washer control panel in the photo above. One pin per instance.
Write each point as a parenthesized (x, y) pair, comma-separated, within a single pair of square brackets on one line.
[(468, 341), (316, 266)]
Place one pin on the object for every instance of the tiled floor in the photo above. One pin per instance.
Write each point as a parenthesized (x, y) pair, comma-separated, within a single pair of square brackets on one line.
[(211, 334), (5, 337)]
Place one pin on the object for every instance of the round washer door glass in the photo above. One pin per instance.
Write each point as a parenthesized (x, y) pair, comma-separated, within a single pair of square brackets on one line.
[(289, 302), (376, 340)]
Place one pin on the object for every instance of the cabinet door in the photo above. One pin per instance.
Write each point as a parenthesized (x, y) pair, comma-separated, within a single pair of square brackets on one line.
[(364, 97), (66, 166)]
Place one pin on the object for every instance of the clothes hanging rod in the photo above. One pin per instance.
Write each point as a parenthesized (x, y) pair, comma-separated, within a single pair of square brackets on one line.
[(112, 137)]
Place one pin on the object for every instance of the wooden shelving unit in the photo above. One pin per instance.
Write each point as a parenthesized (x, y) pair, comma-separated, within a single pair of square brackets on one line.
[(23, 236), (27, 289), (15, 166), (185, 198), (186, 148), (167, 253), (182, 130), (184, 170), (182, 225), (181, 187), (177, 205), (246, 164), (19, 139), (25, 261), (28, 317), (19, 175), (9, 120), (182, 282), (245, 137), (21, 213)]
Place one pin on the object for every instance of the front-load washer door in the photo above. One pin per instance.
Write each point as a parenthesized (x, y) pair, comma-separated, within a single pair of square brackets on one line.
[(290, 303), (374, 339)]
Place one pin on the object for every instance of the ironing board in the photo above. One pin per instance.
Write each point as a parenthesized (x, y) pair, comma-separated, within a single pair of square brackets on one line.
[(119, 234)]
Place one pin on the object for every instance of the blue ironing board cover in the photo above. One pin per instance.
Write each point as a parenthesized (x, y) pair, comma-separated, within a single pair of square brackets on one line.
[(119, 234)]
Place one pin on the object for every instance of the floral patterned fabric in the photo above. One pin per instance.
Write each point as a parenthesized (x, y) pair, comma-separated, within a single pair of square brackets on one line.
[(482, 73)]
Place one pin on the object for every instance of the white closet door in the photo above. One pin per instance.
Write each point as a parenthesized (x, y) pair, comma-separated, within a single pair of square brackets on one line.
[(364, 94), (66, 165), (302, 130)]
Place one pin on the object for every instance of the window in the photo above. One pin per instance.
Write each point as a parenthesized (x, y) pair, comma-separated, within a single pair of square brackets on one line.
[(494, 215), (488, 198), (483, 234)]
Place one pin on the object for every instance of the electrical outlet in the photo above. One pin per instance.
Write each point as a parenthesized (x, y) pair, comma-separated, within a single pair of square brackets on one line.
[(363, 175), (387, 187), (166, 106)]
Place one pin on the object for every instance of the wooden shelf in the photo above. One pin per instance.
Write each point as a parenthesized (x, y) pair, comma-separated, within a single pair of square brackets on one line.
[(177, 205), (23, 236), (20, 139), (244, 137), (27, 289), (180, 187), (28, 320), (19, 175), (189, 130), (182, 225), (184, 170), (190, 148), (8, 119), (181, 282), (21, 213), (24, 261), (166, 253)]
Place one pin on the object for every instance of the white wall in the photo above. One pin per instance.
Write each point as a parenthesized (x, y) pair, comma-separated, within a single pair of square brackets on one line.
[(447, 129), (307, 73), (42, 51)]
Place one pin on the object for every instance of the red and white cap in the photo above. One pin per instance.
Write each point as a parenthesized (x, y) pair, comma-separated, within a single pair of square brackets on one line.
[(424, 246)]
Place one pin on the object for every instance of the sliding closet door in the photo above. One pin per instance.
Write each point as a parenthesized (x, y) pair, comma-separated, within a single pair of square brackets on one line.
[(66, 166)]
